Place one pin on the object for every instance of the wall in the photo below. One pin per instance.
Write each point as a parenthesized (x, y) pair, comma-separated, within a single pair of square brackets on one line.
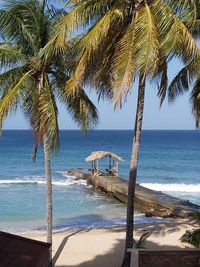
[(173, 258)]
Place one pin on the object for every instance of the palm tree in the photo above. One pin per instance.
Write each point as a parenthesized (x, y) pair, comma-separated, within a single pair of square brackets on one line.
[(33, 85), (123, 41)]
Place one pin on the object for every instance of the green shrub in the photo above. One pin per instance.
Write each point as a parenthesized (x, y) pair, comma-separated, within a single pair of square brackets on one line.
[(140, 243), (192, 238), (196, 216)]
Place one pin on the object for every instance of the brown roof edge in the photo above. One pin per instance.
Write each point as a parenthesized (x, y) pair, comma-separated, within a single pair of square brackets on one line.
[(25, 239), (96, 155)]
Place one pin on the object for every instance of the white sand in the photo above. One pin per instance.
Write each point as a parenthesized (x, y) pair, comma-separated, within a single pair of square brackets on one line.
[(104, 247)]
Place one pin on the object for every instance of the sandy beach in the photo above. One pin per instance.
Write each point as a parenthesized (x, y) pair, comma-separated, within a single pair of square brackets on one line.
[(104, 247)]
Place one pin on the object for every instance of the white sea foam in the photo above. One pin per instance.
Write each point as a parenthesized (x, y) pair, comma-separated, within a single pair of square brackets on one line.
[(20, 181), (65, 174), (39, 181), (92, 222), (187, 188), (95, 196)]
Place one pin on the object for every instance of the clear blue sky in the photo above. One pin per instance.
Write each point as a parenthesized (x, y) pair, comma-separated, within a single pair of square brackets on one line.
[(173, 116)]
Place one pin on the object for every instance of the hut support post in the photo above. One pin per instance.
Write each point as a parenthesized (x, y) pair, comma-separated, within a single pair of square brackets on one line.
[(97, 167), (110, 165), (117, 167), (92, 167)]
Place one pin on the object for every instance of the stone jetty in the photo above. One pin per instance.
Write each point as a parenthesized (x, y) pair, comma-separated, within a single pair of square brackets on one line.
[(150, 202)]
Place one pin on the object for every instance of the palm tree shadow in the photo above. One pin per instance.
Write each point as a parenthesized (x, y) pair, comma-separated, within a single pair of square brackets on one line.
[(114, 256), (62, 245), (163, 229), (105, 260)]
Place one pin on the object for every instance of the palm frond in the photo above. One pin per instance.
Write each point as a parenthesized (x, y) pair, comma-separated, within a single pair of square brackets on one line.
[(146, 43), (162, 78), (123, 65), (10, 55), (83, 111), (80, 107), (138, 52), (10, 77), (186, 10), (88, 45), (181, 82), (41, 111), (83, 14), (9, 101), (48, 113), (23, 23), (196, 29), (195, 102), (176, 38)]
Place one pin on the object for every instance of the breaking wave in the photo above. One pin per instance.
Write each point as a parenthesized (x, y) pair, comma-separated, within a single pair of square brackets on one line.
[(69, 180), (177, 187)]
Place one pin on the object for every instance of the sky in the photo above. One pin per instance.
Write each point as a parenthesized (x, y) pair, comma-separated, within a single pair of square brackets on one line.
[(171, 116)]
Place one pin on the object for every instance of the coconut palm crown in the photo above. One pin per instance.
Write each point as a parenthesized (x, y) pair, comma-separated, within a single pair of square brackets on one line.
[(126, 38)]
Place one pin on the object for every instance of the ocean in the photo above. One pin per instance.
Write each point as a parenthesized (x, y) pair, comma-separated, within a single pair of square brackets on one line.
[(169, 162)]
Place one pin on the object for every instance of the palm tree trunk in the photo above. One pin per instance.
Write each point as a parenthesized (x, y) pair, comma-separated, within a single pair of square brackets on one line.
[(133, 171), (49, 193)]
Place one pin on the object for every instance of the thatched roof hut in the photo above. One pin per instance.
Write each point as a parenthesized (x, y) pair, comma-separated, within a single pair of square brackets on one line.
[(113, 161), (101, 154)]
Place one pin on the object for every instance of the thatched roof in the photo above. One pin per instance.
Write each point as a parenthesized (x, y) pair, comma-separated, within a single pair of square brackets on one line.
[(101, 154)]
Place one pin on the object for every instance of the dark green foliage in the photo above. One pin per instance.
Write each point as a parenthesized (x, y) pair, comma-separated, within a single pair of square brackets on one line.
[(192, 238), (196, 216), (141, 242)]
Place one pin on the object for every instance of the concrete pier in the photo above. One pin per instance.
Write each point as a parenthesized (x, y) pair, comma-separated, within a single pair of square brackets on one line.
[(150, 202)]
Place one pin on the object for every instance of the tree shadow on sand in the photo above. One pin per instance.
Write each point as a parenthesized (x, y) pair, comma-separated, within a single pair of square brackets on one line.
[(62, 246), (113, 257)]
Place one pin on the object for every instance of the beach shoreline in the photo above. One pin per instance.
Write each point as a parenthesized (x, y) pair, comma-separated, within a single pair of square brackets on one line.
[(105, 246)]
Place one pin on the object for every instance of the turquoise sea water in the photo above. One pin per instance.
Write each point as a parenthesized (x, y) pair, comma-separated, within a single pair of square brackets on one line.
[(169, 162)]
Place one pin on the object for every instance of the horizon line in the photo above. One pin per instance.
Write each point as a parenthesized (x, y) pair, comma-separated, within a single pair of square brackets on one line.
[(109, 130)]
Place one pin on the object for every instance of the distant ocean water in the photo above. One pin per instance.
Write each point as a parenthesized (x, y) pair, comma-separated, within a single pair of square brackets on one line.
[(169, 162)]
